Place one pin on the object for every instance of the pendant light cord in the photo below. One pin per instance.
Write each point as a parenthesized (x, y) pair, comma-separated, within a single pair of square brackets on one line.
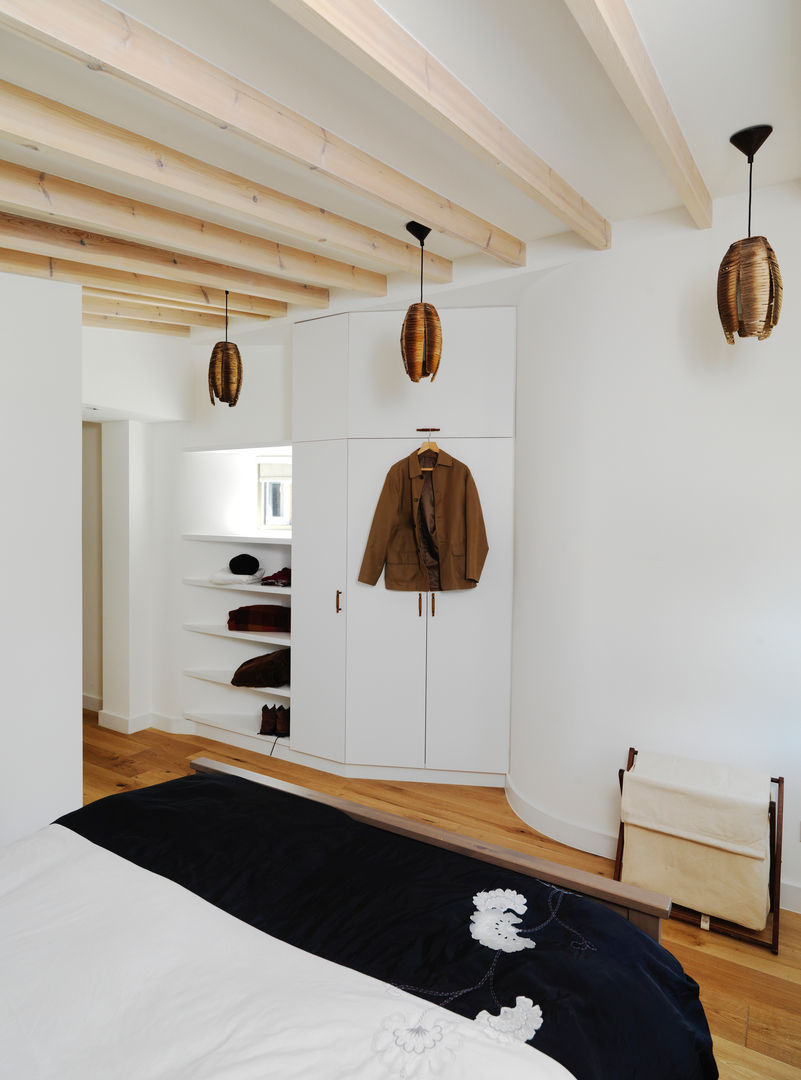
[(226, 306), (421, 271), (750, 176)]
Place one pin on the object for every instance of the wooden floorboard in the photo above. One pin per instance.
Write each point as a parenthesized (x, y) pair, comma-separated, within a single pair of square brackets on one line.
[(752, 998)]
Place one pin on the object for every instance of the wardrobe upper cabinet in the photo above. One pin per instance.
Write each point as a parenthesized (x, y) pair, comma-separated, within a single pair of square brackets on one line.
[(349, 380)]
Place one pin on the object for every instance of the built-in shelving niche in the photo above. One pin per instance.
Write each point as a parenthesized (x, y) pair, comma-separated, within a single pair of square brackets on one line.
[(224, 493)]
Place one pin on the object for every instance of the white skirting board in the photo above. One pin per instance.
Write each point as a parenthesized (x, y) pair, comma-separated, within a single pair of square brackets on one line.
[(129, 725), (283, 750), (566, 832), (791, 896)]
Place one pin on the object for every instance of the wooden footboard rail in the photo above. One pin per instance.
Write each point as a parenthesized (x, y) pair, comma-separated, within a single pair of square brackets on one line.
[(640, 906)]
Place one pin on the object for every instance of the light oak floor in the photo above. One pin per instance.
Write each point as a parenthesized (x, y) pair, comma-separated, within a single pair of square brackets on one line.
[(752, 998)]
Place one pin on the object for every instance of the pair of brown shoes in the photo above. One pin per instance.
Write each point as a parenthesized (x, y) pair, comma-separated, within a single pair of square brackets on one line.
[(274, 720)]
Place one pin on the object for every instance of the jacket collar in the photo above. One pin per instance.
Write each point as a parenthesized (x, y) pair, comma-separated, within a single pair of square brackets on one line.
[(443, 458)]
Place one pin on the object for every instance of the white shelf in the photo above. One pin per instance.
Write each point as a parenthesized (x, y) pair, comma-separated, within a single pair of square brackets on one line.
[(240, 724), (263, 590), (282, 539), (267, 637), (223, 678)]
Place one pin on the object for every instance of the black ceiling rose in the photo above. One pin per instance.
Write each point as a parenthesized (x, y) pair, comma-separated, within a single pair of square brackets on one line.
[(749, 139), (418, 231)]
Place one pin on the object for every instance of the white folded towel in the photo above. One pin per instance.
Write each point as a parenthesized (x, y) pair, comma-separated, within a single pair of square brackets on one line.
[(225, 577)]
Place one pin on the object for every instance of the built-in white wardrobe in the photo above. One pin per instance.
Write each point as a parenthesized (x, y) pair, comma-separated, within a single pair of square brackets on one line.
[(382, 679)]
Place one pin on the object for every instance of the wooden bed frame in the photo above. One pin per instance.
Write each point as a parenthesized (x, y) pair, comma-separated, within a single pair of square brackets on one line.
[(642, 907)]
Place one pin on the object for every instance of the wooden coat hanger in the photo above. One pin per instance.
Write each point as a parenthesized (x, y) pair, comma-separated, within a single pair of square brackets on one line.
[(428, 444)]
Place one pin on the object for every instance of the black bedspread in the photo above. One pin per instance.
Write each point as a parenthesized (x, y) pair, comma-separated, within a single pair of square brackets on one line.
[(614, 1004)]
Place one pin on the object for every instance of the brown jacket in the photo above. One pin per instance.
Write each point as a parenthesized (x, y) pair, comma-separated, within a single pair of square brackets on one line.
[(395, 538)]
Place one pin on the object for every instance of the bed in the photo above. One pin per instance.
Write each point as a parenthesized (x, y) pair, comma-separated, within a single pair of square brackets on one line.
[(228, 925)]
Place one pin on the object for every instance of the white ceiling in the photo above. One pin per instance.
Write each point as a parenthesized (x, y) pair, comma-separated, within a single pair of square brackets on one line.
[(724, 64)]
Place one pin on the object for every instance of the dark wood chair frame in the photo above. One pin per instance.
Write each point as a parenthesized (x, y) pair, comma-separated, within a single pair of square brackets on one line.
[(767, 938)]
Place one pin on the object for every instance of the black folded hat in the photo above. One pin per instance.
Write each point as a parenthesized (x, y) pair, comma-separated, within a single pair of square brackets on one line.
[(243, 564)]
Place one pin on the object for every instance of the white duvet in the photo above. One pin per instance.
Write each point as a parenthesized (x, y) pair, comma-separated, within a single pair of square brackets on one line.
[(108, 971)]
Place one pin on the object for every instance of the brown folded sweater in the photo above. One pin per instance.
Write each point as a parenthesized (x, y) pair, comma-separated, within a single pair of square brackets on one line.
[(271, 669), (259, 617)]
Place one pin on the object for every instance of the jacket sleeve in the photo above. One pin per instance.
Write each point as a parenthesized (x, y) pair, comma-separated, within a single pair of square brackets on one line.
[(476, 539), (375, 552)]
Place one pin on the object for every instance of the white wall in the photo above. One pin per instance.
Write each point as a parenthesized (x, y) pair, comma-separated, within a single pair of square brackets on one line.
[(92, 568), (136, 375), (40, 553), (130, 553), (658, 543)]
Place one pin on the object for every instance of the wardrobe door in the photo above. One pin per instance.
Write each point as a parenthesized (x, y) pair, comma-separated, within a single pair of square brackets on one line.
[(469, 632), (319, 601), (386, 667)]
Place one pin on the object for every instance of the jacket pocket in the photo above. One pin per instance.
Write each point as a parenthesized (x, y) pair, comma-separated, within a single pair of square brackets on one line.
[(402, 557), (405, 575)]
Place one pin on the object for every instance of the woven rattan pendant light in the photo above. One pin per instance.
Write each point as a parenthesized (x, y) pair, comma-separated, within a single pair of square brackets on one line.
[(225, 368), (421, 335), (749, 281)]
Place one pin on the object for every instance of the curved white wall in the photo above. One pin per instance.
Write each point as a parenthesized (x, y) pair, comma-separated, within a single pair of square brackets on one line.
[(658, 534)]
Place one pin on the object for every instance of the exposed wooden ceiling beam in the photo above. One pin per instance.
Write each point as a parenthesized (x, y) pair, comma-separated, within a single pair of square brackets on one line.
[(94, 305), (34, 121), (145, 301), (44, 238), (112, 322), (615, 40), (51, 198), (371, 39), (43, 266), (93, 31)]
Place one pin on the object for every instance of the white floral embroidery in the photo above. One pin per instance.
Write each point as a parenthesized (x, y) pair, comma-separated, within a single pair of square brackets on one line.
[(516, 1024), (420, 1045), (501, 900), (493, 925)]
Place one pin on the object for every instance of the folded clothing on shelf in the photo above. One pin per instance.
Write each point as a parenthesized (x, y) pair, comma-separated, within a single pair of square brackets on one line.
[(225, 577), (258, 617), (280, 577), (271, 669)]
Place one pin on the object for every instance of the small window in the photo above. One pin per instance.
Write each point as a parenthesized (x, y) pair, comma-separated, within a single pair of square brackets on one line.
[(275, 494)]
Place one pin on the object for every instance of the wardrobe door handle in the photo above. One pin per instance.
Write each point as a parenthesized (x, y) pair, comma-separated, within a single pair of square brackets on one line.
[(420, 603), (339, 606), (433, 604)]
